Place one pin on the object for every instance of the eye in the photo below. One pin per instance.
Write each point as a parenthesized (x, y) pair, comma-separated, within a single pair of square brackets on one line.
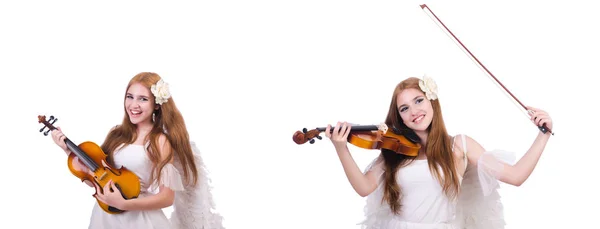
[(144, 99), (129, 96), (419, 100), (402, 109)]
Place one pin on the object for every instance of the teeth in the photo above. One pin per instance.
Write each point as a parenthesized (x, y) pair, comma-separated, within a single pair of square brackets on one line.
[(136, 112), (419, 118)]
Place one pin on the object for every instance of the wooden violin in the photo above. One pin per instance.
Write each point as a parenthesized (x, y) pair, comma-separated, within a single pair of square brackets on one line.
[(92, 156), (366, 137)]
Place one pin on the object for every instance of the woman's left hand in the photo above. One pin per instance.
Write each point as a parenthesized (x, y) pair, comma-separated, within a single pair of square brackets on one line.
[(111, 197), (540, 117)]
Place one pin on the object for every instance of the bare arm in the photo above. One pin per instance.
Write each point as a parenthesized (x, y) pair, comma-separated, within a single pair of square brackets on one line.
[(363, 184), (164, 198), (59, 138), (517, 174)]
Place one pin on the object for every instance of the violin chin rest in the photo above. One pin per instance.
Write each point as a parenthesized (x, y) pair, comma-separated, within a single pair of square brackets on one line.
[(410, 135)]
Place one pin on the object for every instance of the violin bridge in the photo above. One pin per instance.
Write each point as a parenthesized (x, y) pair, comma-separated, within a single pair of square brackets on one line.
[(103, 175)]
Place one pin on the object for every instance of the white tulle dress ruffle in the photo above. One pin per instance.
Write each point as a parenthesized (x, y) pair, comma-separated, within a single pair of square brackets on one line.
[(478, 205), (194, 207)]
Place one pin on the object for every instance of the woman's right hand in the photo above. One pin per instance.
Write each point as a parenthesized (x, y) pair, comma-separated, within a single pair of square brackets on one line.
[(79, 166), (339, 136), (59, 138), (363, 184)]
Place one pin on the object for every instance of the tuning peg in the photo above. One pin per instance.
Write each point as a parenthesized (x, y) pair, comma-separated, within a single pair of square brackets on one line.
[(304, 130), (312, 141), (51, 120), (319, 137)]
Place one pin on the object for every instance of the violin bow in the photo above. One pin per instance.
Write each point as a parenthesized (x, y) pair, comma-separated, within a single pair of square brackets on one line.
[(542, 128)]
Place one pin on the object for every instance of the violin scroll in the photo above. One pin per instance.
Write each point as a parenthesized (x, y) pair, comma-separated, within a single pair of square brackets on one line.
[(48, 124), (306, 136)]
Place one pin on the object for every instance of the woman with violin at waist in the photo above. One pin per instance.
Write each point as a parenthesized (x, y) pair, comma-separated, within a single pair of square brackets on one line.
[(152, 142), (427, 189)]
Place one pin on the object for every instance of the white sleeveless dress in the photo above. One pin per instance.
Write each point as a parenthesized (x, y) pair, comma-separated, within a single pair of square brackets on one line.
[(192, 205), (425, 206)]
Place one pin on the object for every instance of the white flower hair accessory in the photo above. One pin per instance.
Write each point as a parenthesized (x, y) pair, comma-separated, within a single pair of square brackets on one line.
[(428, 85), (161, 92)]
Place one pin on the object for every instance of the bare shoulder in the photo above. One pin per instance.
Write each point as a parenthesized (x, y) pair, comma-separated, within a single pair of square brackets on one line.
[(164, 145), (457, 145), (163, 142), (471, 146), (469, 142)]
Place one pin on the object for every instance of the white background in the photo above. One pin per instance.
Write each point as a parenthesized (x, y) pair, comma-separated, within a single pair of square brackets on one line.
[(248, 74)]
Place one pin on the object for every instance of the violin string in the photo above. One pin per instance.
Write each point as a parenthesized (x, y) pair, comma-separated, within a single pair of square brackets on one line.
[(514, 102)]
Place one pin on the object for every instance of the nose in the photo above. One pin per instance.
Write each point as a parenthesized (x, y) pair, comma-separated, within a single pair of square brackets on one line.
[(134, 103), (413, 112)]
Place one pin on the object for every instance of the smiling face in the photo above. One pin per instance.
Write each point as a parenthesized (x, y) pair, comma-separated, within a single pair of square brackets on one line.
[(139, 104), (415, 109)]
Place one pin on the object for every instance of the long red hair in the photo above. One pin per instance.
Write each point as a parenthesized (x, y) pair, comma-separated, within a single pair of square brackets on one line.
[(168, 121), (438, 150)]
